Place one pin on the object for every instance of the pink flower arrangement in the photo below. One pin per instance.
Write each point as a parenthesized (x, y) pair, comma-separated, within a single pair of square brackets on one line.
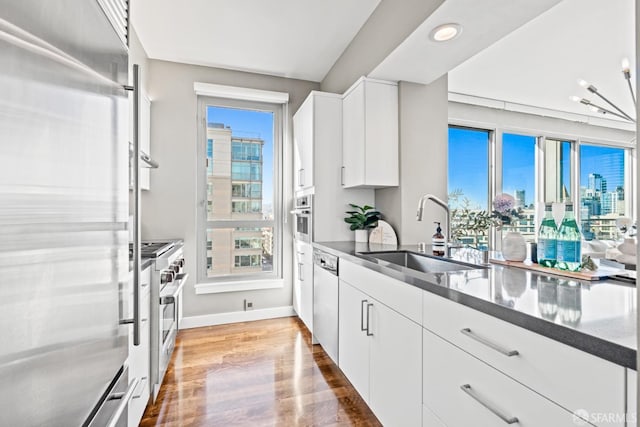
[(504, 210)]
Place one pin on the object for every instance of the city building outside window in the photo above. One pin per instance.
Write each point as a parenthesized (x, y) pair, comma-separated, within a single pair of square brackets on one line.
[(602, 190), (240, 227)]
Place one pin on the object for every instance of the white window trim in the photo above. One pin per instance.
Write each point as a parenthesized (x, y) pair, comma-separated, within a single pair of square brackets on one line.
[(237, 286), (240, 93), (272, 280)]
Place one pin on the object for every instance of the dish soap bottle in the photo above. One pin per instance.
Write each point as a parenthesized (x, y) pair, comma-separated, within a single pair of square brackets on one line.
[(438, 241), (569, 250), (547, 239)]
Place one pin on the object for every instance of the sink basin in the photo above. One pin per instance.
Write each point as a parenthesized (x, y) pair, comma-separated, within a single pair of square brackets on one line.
[(423, 263)]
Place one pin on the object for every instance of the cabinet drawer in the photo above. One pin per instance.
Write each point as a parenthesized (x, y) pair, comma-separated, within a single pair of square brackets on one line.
[(138, 402), (463, 391), (570, 377), (401, 297)]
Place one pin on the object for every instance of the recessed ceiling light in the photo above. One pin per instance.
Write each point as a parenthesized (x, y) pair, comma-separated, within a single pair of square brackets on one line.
[(445, 32)]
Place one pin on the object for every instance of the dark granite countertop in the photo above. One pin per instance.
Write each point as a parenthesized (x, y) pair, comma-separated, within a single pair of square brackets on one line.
[(598, 317)]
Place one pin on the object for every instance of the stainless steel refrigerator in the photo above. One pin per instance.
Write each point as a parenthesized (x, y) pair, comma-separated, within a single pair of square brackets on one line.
[(65, 298)]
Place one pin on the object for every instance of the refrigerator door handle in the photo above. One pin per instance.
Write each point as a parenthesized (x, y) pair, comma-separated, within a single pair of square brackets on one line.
[(126, 397), (135, 170)]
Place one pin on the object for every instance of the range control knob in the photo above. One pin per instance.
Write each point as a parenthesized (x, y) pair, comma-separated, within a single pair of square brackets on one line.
[(167, 276)]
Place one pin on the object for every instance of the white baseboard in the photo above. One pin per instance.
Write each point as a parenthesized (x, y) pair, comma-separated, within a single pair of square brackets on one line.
[(236, 316)]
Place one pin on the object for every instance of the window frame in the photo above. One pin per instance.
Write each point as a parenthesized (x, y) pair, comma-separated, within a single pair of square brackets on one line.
[(240, 281), (576, 141)]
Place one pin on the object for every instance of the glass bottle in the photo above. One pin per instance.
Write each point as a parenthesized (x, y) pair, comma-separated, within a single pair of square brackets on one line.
[(547, 239), (569, 251)]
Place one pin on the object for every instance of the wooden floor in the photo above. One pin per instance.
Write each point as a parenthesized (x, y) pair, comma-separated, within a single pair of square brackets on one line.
[(263, 373)]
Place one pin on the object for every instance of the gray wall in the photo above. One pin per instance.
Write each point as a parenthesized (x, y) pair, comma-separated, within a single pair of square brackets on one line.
[(423, 161), (169, 209), (137, 55), (389, 24)]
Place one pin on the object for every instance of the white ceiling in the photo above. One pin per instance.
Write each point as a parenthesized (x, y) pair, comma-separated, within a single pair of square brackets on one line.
[(290, 38), (421, 60), (540, 63), (521, 51)]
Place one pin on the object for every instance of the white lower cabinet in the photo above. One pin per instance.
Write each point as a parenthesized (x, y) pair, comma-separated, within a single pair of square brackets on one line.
[(395, 365), (632, 400), (381, 355), (572, 378), (463, 391), (303, 283), (353, 342), (139, 356)]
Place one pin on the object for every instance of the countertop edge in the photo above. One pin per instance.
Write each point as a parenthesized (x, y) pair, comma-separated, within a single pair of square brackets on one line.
[(599, 347)]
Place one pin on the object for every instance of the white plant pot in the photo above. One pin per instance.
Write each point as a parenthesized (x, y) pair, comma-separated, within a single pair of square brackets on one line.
[(628, 247), (514, 247), (362, 236)]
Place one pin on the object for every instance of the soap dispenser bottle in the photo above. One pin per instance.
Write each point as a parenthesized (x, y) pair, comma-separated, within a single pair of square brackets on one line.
[(438, 241)]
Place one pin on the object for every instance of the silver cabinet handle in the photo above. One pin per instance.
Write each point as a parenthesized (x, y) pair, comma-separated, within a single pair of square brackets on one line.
[(125, 397), (300, 177), (342, 175), (300, 272), (369, 333), (138, 390), (508, 353), (509, 420), (362, 303)]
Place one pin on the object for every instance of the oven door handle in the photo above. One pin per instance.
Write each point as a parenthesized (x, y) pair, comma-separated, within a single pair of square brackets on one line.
[(171, 295)]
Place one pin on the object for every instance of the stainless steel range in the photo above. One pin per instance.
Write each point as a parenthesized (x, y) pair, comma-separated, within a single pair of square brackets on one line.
[(167, 280)]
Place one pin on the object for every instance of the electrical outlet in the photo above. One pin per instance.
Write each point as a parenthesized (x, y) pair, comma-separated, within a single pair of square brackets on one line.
[(248, 305)]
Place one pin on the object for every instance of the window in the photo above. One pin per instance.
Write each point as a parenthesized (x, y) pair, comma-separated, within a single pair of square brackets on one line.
[(241, 188), (536, 169), (519, 177), (247, 261), (468, 175), (602, 190), (468, 166)]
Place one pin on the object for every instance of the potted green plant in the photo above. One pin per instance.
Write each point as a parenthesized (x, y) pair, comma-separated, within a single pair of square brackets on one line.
[(361, 219)]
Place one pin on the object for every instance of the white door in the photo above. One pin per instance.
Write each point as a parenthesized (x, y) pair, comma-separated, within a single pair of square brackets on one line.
[(353, 355), (396, 361)]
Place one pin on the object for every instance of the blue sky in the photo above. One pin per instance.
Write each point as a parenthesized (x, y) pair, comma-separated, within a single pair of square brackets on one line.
[(468, 160), (252, 124)]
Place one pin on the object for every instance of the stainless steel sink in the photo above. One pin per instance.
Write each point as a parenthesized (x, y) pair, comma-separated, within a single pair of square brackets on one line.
[(419, 262)]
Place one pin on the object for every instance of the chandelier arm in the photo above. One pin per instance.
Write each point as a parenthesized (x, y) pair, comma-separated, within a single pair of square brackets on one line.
[(633, 95), (613, 105), (613, 113)]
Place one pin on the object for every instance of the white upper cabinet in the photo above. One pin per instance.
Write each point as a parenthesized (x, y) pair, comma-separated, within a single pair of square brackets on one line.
[(370, 135), (303, 144)]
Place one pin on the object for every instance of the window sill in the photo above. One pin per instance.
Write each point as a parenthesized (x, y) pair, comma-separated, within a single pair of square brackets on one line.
[(230, 286)]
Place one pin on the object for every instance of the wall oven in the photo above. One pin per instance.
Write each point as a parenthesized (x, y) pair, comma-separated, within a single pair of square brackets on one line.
[(303, 218)]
